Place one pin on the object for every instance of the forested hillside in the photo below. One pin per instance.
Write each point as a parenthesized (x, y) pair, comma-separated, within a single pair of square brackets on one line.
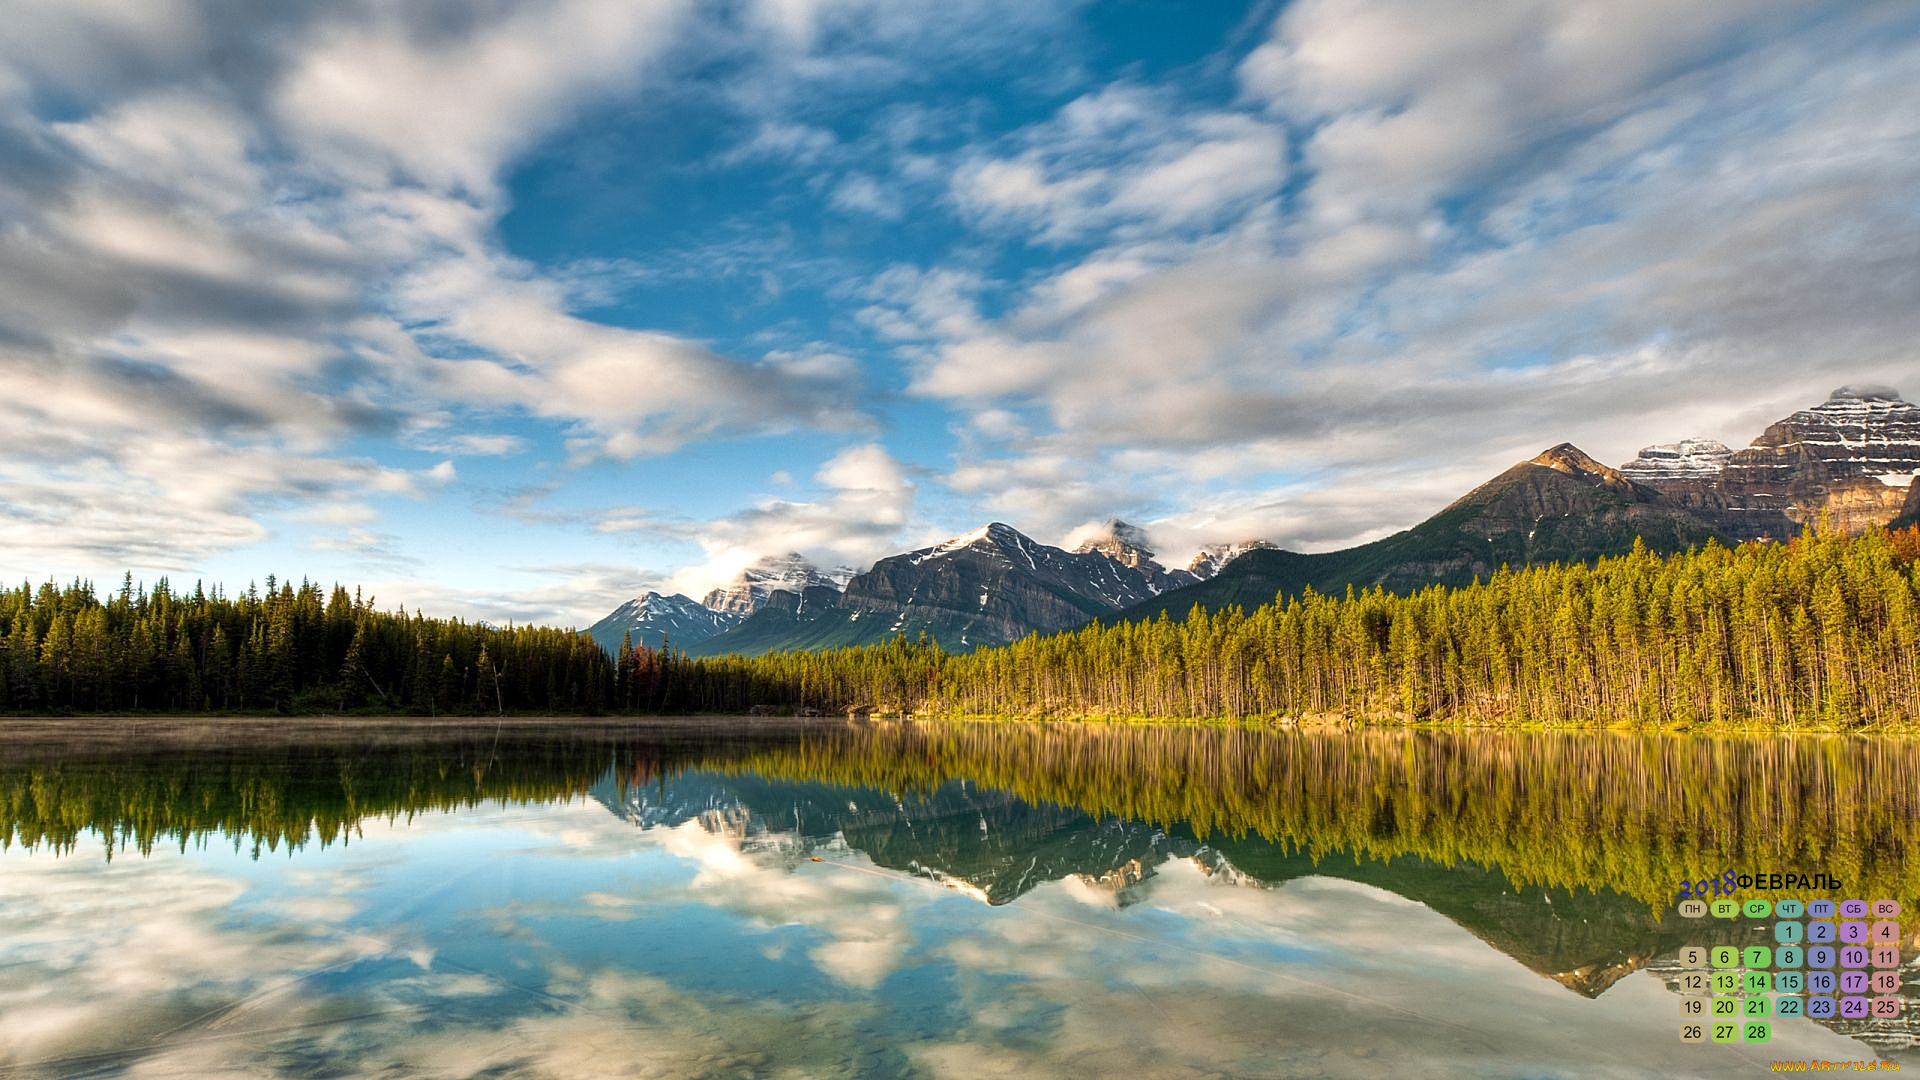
[(1818, 632), (1561, 507)]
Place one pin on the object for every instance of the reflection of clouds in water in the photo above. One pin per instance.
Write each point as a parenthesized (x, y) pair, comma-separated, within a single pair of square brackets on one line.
[(859, 963), (860, 914), (748, 876), (98, 958), (635, 1026), (1361, 930), (752, 877), (109, 958), (1388, 988), (1317, 977)]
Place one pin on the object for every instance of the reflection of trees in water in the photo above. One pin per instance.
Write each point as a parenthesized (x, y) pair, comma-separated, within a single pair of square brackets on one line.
[(272, 787), (1635, 814), (1591, 818), (1600, 827)]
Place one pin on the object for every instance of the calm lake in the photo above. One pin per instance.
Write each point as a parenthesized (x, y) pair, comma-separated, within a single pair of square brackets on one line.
[(820, 900)]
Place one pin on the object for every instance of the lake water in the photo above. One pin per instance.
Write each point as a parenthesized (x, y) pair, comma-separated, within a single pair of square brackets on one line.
[(778, 899)]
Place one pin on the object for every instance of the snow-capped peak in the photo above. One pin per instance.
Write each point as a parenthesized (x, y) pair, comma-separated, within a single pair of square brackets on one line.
[(994, 534), (970, 538), (648, 618), (1213, 558), (792, 572), (1862, 404), (653, 603), (1117, 540), (1688, 459)]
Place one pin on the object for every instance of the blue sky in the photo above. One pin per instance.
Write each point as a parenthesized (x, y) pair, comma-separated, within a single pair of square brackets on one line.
[(514, 308)]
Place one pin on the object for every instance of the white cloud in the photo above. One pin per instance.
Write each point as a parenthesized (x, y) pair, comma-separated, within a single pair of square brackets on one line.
[(377, 98), (341, 512), (1425, 239), (861, 193), (627, 392), (576, 595), (1128, 160), (802, 144), (864, 512), (250, 239), (474, 445), (1512, 228), (102, 471)]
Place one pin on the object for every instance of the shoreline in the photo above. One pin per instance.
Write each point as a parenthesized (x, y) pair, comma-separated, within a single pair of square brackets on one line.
[(13, 725)]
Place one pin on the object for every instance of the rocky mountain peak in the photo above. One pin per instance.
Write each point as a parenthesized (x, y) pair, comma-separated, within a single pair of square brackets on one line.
[(1851, 459), (649, 618), (1213, 558), (1568, 458), (1573, 461), (1862, 425), (1117, 540), (653, 601), (792, 572), (995, 535), (1866, 406), (1689, 460)]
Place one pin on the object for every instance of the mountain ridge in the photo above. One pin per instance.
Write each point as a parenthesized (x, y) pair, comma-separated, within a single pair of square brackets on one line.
[(989, 586), (1559, 506), (792, 572), (652, 617), (1852, 460)]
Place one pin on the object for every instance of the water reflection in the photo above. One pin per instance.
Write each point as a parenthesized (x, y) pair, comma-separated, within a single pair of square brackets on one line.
[(594, 900)]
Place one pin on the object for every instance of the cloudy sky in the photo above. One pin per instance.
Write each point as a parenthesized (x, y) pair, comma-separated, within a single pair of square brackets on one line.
[(513, 308)]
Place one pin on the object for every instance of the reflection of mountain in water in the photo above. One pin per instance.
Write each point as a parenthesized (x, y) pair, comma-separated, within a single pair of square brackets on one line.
[(1555, 850), (995, 847), (984, 843)]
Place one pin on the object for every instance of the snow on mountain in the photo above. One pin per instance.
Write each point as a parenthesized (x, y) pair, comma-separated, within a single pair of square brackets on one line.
[(993, 536), (1857, 431), (652, 616), (1213, 558), (1851, 459), (1686, 460), (791, 572), (1116, 539), (992, 585), (1129, 546), (1862, 431)]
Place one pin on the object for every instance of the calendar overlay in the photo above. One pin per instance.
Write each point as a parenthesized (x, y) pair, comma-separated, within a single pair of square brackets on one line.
[(1753, 965)]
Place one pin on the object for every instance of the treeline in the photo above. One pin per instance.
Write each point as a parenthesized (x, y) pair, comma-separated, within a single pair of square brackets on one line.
[(286, 649), (1628, 813), (1820, 632), (284, 786), (1633, 813)]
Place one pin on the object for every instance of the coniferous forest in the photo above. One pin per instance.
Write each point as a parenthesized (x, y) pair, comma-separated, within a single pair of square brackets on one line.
[(1818, 632), (284, 649)]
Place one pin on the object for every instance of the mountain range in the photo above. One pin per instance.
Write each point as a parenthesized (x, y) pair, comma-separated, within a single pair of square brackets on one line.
[(1852, 460)]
